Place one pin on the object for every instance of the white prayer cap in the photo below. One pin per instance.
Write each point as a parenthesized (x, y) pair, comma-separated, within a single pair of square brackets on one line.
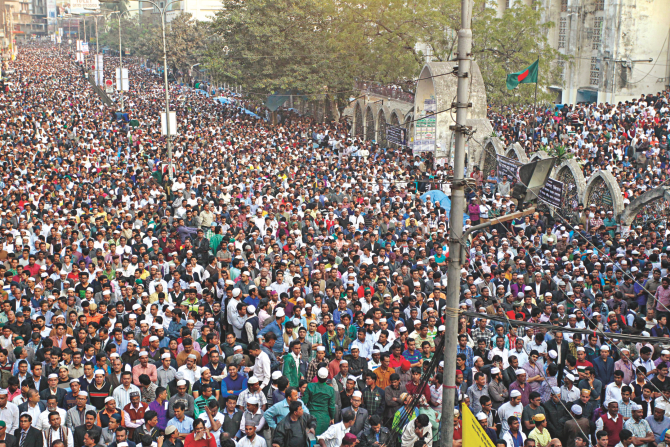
[(276, 375), (280, 313), (480, 416), (253, 400), (108, 398), (322, 373), (98, 372), (181, 383), (52, 376), (576, 409), (515, 393), (143, 353), (166, 356), (495, 370), (357, 394), (321, 348), (82, 393)]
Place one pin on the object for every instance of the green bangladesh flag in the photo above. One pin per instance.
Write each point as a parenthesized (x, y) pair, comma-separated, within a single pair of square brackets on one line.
[(527, 76)]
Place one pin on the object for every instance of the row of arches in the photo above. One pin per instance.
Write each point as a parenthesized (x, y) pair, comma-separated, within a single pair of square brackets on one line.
[(371, 120), (601, 188)]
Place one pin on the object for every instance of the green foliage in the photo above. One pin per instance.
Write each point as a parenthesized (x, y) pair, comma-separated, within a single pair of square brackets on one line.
[(280, 44), (320, 47), (507, 44), (559, 152), (187, 39)]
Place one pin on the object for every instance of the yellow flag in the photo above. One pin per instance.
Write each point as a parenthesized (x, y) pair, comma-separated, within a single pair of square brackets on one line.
[(474, 434)]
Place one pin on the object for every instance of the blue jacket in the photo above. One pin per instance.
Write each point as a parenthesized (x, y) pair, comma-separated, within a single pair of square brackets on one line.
[(278, 348), (604, 370)]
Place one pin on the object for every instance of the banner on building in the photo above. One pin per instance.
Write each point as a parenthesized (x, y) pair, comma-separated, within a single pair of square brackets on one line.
[(507, 166), (552, 193), (425, 128), (84, 47), (52, 13), (396, 135)]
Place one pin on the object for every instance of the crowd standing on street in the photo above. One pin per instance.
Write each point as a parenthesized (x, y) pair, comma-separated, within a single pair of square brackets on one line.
[(285, 285)]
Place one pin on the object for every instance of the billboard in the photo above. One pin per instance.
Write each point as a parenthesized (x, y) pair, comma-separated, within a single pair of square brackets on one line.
[(77, 6)]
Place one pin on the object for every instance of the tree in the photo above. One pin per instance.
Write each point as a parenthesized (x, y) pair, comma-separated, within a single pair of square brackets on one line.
[(280, 45), (319, 47), (507, 44)]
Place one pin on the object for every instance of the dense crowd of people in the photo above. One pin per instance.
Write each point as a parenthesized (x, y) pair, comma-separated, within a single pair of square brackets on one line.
[(285, 285)]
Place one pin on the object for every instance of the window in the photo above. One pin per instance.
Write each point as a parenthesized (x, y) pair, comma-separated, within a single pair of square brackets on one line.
[(600, 5), (564, 5), (595, 71), (562, 33), (561, 67), (597, 32)]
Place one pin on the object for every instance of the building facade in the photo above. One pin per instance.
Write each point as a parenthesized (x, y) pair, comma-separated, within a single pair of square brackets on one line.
[(619, 49)]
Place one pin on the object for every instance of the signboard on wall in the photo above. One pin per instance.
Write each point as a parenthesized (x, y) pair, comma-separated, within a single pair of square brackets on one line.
[(396, 135), (425, 128)]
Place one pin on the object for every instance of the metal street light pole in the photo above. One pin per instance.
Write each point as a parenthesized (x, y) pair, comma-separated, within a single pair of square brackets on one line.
[(190, 70), (449, 393), (118, 15), (163, 10)]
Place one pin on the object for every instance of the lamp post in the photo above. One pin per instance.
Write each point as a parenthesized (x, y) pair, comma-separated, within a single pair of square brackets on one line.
[(162, 11), (118, 15), (190, 70)]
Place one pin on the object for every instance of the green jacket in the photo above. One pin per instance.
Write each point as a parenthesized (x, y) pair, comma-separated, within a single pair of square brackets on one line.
[(291, 370)]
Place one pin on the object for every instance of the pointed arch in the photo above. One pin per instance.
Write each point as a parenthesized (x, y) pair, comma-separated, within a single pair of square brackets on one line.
[(652, 205), (603, 190), (516, 152), (574, 187), (359, 125)]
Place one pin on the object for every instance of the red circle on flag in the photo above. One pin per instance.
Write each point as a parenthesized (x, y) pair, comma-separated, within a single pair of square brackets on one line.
[(108, 82)]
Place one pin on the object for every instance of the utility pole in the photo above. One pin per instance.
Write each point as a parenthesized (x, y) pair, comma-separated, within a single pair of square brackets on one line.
[(456, 224)]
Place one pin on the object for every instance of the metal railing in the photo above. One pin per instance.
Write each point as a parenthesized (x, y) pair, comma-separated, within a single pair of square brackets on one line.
[(388, 91)]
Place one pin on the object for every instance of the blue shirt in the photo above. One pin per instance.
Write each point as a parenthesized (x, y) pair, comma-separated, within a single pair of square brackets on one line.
[(236, 386), (276, 413), (185, 426)]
